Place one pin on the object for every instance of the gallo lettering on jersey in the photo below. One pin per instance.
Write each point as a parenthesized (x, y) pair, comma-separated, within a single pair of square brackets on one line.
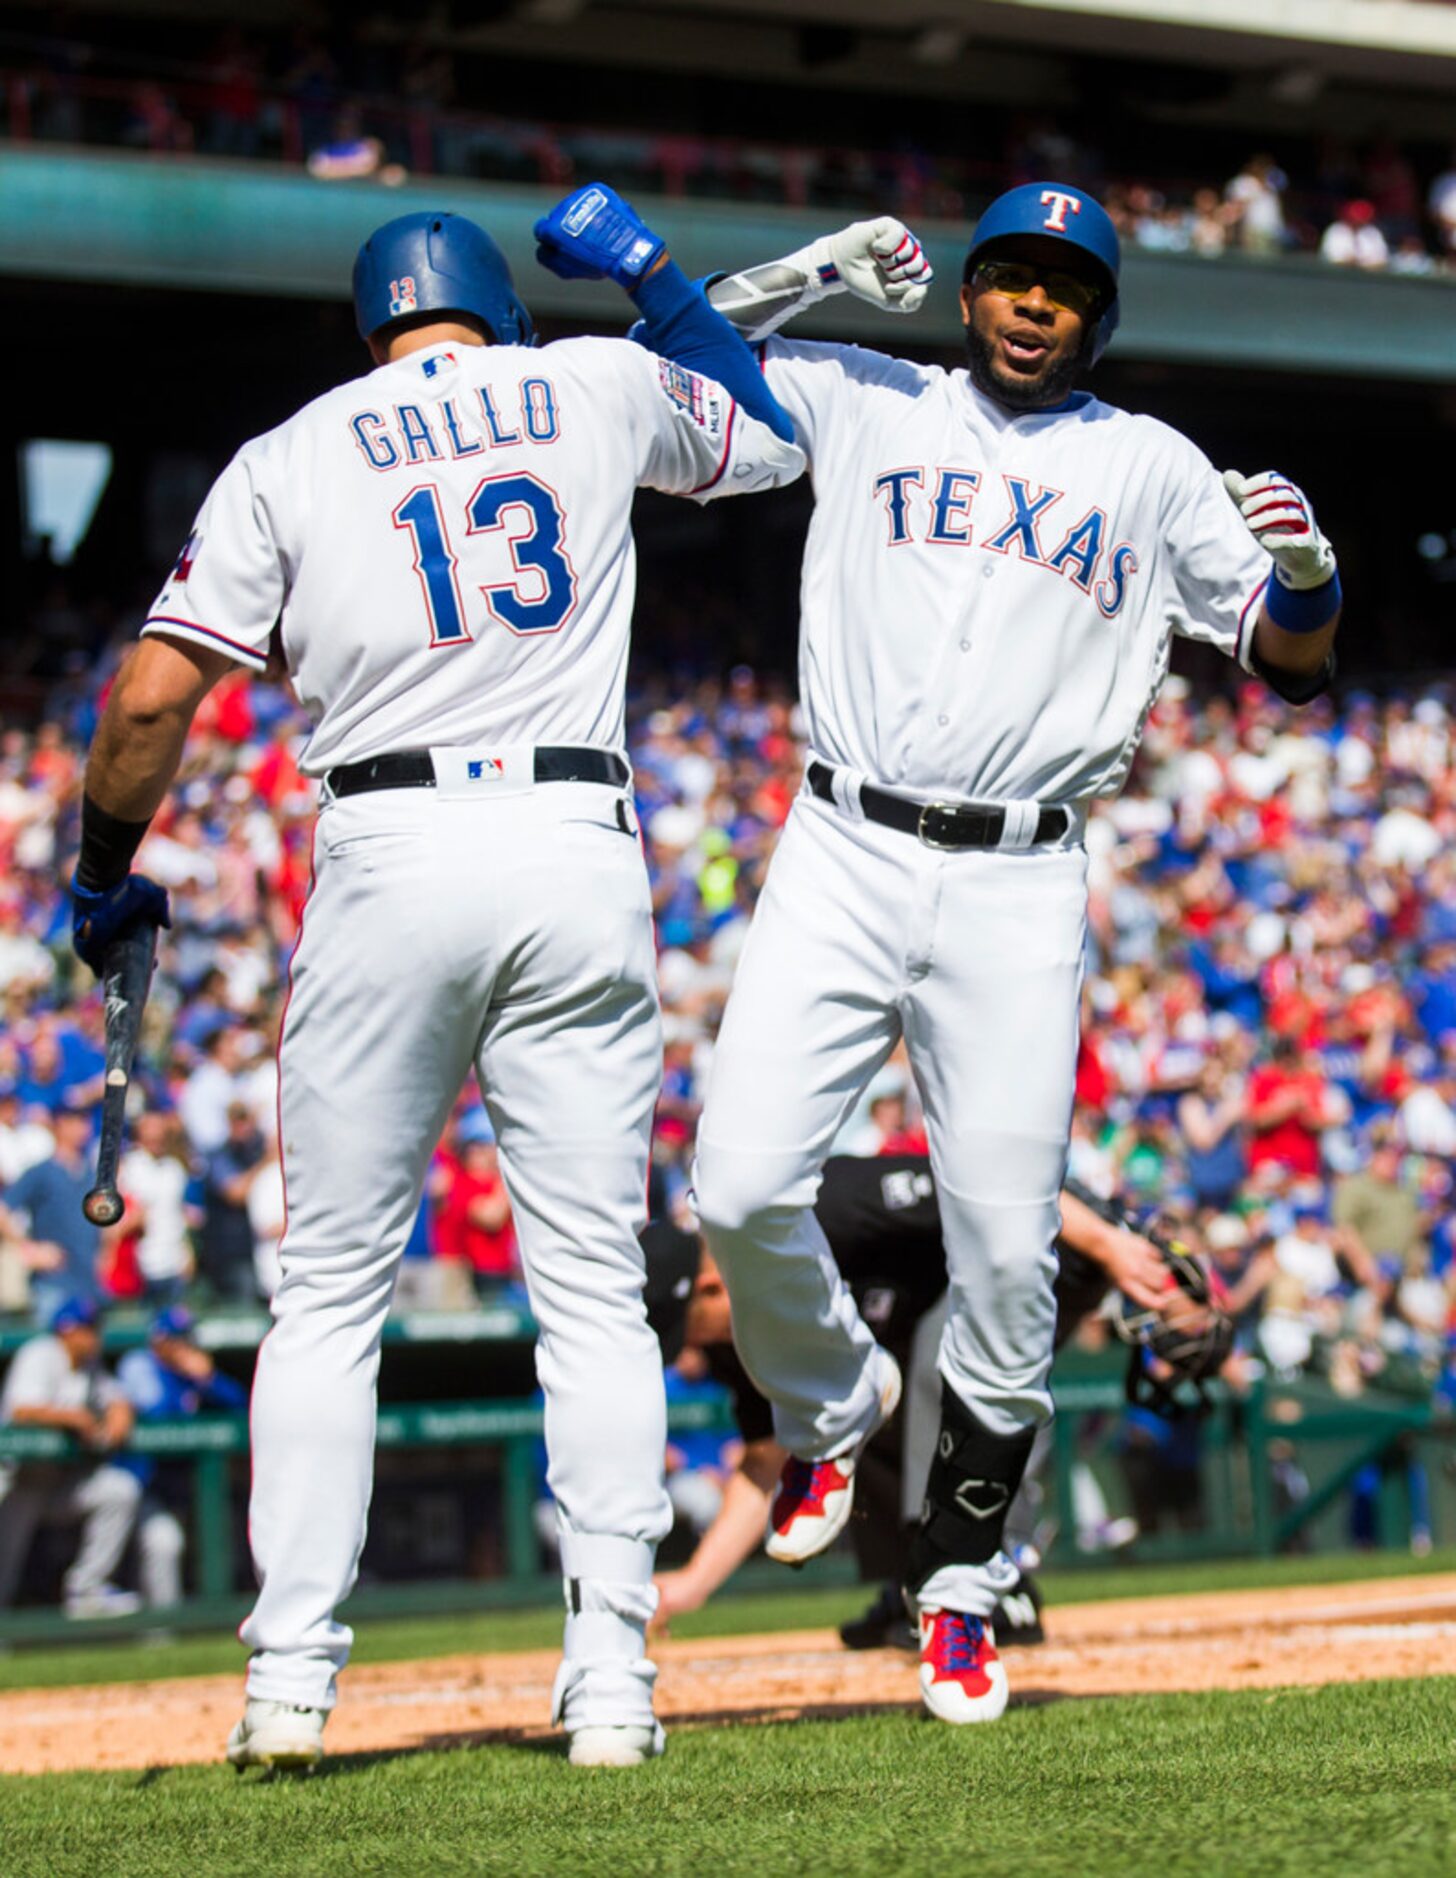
[(935, 507), (450, 429)]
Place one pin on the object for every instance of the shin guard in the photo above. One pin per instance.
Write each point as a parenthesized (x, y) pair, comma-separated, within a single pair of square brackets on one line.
[(973, 1480)]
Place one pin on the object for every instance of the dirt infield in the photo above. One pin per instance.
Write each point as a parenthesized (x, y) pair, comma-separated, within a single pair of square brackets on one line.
[(1223, 1640)]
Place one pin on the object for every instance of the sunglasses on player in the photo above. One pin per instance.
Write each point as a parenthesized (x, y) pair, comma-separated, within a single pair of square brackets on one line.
[(1013, 280)]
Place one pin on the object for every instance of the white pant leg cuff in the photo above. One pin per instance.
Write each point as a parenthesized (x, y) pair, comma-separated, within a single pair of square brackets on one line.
[(603, 1693), (298, 1681), (974, 1589)]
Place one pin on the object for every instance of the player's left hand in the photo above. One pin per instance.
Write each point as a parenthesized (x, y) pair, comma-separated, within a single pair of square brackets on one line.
[(593, 232), (99, 915), (882, 262), (1281, 520)]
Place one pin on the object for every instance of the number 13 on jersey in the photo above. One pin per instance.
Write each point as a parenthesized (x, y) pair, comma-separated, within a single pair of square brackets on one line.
[(539, 597)]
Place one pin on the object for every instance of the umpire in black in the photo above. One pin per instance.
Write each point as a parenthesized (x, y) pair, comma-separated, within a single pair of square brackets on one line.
[(882, 1221)]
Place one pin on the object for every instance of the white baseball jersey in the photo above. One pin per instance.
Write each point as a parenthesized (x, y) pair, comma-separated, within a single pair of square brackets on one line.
[(446, 542), (988, 596)]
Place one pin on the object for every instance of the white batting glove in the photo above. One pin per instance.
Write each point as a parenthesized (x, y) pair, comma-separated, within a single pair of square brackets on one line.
[(1280, 519), (879, 261)]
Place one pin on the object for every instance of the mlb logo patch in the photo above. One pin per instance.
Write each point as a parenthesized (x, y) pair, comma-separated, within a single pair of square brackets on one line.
[(402, 296), (432, 367), (485, 768), (685, 388)]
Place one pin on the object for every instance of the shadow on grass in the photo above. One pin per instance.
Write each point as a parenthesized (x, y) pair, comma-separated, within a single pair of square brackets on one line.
[(553, 1746)]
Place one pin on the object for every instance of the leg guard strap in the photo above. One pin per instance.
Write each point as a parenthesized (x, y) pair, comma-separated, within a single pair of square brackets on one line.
[(973, 1480)]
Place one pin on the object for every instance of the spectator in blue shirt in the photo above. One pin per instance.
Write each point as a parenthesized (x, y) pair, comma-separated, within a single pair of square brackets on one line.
[(49, 1197)]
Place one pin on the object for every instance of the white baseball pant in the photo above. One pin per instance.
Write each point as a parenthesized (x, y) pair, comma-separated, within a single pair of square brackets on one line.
[(444, 930), (863, 934)]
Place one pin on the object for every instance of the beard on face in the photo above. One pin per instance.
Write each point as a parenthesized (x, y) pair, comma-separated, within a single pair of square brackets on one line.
[(1021, 394)]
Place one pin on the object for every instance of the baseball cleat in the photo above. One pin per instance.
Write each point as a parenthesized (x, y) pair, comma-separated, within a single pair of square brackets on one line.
[(961, 1677), (104, 1601), (616, 1747), (274, 1734), (812, 1505), (884, 1626)]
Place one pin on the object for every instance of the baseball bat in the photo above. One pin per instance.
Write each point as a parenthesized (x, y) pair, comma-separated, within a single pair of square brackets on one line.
[(126, 976)]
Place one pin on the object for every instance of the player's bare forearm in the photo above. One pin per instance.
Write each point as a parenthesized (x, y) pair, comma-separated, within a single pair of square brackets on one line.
[(737, 1532), (1132, 1263), (140, 739), (1301, 654)]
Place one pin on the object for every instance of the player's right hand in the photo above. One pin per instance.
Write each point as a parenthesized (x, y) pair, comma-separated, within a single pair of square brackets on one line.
[(595, 232), (101, 915), (882, 262)]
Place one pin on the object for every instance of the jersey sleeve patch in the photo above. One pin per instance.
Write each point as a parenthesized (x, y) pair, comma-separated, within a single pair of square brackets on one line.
[(699, 399)]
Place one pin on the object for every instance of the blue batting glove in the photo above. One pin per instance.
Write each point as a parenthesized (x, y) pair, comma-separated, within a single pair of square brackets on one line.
[(99, 915), (593, 232)]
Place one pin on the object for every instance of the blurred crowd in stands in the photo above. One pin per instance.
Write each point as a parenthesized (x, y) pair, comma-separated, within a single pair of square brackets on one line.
[(1269, 1042), (357, 106)]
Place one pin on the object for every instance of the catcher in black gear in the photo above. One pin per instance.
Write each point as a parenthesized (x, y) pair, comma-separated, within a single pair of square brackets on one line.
[(882, 1221)]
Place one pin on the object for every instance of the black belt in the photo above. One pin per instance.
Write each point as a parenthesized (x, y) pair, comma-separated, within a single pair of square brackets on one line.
[(940, 824), (414, 769)]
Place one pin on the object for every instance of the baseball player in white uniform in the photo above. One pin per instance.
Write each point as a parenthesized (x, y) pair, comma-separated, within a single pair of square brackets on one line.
[(445, 548), (442, 552), (995, 568)]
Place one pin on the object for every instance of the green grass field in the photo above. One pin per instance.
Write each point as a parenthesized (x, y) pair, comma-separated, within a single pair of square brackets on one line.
[(1333, 1781), (1346, 1779)]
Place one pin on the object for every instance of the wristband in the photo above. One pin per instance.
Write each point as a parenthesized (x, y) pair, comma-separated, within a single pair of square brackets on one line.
[(108, 847), (1302, 610)]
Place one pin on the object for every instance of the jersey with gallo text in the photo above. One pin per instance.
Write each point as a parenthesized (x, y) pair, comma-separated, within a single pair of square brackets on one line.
[(445, 544), (988, 596)]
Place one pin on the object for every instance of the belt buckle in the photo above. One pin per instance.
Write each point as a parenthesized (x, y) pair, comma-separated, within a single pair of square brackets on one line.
[(923, 835)]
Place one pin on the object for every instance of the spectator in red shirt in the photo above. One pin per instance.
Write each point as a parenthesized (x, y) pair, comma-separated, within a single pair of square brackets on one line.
[(473, 1219), (1289, 1103)]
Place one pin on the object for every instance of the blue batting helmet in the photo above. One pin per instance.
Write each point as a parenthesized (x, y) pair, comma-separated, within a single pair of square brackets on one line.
[(437, 262), (1060, 213)]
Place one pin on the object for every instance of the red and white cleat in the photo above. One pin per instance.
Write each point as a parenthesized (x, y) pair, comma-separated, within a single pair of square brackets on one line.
[(961, 1676), (812, 1505)]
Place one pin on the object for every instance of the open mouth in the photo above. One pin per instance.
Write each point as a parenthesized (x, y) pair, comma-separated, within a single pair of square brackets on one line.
[(1024, 347)]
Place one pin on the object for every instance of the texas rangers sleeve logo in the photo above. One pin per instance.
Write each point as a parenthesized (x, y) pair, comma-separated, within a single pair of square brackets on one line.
[(1058, 202), (187, 559)]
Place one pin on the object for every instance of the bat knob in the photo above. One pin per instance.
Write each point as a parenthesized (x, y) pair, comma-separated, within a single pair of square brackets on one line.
[(103, 1206)]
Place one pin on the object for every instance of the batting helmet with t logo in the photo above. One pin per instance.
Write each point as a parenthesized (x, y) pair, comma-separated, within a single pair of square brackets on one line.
[(1060, 213)]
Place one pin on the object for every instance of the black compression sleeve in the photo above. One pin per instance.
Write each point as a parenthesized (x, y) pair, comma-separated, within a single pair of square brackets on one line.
[(108, 846)]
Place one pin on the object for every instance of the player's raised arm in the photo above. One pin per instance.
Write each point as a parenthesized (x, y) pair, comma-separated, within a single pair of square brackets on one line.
[(879, 261), (593, 234)]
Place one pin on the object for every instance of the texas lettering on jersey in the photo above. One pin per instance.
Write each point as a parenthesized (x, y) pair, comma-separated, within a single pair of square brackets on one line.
[(945, 520), (990, 596)]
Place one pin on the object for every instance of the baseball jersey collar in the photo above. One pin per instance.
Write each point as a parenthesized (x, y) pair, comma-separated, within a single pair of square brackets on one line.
[(1002, 417)]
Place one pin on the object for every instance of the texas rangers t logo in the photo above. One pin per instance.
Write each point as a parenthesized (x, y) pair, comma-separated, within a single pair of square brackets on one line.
[(1061, 202)]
